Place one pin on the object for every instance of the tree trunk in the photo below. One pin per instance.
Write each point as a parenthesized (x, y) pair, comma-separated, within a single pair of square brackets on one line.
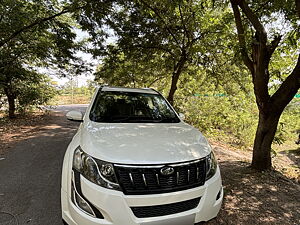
[(11, 102), (175, 77), (267, 126), (173, 88), (11, 106), (298, 7)]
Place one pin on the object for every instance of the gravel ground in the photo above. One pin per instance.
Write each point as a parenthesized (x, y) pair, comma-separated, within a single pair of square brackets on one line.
[(255, 198)]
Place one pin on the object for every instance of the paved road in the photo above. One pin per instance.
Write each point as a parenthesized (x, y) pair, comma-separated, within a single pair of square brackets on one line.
[(31, 171)]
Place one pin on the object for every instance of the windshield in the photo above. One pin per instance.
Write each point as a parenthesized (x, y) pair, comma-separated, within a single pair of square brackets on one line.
[(131, 107)]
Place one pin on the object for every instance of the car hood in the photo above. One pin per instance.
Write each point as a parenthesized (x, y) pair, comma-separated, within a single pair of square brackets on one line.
[(148, 143)]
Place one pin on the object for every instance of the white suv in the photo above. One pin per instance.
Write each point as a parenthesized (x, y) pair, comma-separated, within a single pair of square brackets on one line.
[(134, 161)]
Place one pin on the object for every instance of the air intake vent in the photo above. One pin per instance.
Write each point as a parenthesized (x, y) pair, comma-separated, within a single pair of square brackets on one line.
[(163, 210)]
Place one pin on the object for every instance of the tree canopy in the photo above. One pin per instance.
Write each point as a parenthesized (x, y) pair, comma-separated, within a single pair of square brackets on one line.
[(162, 39), (29, 39)]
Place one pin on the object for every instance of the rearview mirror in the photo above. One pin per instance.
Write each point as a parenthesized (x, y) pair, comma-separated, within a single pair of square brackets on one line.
[(75, 116)]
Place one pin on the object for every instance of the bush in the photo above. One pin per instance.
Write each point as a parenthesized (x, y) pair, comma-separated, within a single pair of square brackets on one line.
[(289, 124), (34, 94), (233, 118), (229, 118)]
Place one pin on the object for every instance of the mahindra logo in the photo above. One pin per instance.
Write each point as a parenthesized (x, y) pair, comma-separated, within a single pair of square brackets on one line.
[(167, 170)]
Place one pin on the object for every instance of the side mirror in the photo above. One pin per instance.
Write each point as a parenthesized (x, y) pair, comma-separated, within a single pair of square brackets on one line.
[(74, 116), (181, 116)]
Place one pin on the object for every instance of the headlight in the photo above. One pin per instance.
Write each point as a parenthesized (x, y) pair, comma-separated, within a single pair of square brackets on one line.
[(211, 165), (89, 168)]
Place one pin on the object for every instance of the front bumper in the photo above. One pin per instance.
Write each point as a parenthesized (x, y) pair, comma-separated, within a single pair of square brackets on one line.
[(116, 207)]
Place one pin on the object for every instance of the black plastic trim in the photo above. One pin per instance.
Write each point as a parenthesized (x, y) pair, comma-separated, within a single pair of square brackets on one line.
[(166, 209), (219, 194), (78, 188)]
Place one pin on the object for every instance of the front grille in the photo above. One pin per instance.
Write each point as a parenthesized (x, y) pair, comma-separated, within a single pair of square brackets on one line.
[(163, 210), (149, 180)]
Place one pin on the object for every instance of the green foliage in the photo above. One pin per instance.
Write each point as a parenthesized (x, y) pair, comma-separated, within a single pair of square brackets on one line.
[(157, 41), (133, 72), (223, 109), (34, 94), (33, 34), (229, 118), (232, 115), (289, 124)]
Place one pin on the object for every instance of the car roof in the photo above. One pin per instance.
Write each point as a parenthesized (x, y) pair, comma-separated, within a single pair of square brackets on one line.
[(125, 89)]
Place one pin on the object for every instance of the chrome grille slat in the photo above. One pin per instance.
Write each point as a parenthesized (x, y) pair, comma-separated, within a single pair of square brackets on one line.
[(131, 179), (146, 180), (157, 179)]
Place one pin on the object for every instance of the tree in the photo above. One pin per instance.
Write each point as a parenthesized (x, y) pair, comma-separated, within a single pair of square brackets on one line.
[(256, 52), (24, 50), (170, 31)]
